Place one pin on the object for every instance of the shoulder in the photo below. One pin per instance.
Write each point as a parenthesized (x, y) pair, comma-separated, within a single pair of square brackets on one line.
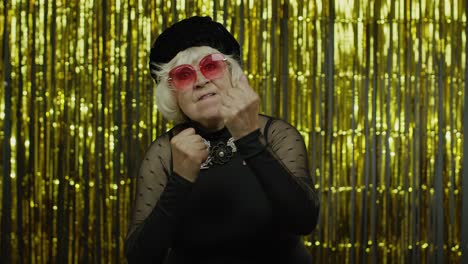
[(164, 139), (158, 153), (278, 130), (265, 122), (269, 123), (159, 149)]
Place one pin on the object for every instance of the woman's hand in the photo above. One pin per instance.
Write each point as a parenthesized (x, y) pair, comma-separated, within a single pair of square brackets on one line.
[(240, 104), (188, 153)]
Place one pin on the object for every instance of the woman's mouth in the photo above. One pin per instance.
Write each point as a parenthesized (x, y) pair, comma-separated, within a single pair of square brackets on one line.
[(206, 96)]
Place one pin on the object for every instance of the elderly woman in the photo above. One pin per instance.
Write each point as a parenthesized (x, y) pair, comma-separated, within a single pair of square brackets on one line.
[(225, 185)]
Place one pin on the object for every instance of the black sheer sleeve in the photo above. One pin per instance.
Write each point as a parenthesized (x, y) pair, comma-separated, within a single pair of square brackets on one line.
[(278, 157), (158, 206)]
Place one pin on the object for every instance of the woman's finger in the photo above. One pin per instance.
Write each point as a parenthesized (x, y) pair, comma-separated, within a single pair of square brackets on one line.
[(187, 132), (223, 83), (243, 83)]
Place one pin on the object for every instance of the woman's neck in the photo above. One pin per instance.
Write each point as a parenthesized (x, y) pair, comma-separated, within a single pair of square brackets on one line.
[(211, 125)]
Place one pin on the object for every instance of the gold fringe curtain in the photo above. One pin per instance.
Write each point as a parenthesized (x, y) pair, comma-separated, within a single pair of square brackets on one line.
[(377, 89)]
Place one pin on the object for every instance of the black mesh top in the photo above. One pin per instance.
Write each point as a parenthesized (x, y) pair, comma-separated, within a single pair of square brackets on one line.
[(249, 205)]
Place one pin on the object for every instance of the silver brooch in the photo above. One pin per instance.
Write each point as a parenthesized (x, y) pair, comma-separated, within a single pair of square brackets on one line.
[(220, 153)]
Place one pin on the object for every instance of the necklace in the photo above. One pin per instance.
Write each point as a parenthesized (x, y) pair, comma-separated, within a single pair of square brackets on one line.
[(220, 153)]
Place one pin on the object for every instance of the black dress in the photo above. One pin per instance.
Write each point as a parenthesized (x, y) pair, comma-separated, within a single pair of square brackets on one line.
[(252, 201)]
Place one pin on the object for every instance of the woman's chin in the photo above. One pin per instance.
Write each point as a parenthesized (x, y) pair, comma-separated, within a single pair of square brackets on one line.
[(210, 119), (209, 110)]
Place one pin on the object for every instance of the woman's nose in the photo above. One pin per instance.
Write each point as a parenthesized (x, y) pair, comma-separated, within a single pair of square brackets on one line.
[(201, 80)]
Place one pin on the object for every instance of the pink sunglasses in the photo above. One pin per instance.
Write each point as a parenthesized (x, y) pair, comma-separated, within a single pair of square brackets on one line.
[(184, 76)]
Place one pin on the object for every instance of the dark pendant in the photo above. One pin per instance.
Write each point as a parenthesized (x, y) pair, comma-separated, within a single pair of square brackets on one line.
[(221, 153)]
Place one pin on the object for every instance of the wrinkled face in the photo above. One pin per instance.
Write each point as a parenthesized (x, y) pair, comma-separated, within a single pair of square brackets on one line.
[(191, 79)]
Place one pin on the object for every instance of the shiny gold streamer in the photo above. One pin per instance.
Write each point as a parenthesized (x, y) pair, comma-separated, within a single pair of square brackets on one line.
[(375, 87)]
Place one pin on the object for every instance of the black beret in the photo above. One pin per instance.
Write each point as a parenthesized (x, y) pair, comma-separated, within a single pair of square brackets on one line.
[(192, 32)]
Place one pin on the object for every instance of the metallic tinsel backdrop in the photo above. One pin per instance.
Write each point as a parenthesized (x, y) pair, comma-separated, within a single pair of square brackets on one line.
[(377, 88)]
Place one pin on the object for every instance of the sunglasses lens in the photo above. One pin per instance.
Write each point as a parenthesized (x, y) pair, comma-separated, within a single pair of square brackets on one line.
[(212, 66), (183, 76)]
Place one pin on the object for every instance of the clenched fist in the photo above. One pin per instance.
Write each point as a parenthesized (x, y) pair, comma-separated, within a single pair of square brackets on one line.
[(188, 153)]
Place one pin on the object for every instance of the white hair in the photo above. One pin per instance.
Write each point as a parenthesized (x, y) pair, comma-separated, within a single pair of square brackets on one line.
[(166, 100)]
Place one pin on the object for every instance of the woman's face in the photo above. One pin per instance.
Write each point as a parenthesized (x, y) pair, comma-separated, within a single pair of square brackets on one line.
[(201, 100)]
